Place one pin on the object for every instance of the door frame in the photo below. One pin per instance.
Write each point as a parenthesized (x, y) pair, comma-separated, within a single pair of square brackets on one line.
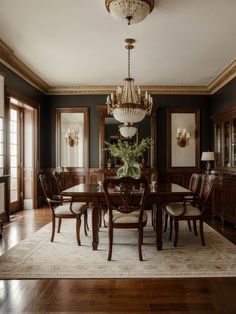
[(36, 139)]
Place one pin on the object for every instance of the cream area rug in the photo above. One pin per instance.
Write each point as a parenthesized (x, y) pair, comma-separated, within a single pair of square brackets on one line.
[(37, 257)]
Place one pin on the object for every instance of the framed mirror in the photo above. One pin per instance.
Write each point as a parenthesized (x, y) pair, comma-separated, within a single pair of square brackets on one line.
[(112, 135), (109, 131), (72, 137), (183, 149)]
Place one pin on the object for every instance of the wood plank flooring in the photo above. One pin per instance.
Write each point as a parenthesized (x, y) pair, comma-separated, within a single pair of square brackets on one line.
[(190, 295)]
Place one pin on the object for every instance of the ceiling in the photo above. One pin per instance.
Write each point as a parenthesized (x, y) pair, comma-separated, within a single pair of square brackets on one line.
[(77, 42)]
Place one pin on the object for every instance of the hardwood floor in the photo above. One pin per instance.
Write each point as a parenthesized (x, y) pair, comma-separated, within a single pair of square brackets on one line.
[(189, 295)]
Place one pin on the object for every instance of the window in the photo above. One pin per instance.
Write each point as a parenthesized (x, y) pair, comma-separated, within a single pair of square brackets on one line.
[(1, 147), (14, 126)]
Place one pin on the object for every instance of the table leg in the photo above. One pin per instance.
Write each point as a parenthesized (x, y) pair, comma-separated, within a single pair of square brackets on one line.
[(159, 226), (95, 226)]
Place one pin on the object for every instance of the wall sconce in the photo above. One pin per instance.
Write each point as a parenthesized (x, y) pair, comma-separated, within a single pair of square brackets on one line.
[(72, 137), (208, 156), (182, 137)]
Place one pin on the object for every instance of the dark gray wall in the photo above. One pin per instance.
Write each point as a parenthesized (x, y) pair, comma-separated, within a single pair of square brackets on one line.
[(224, 98), (48, 113), (16, 83), (20, 86), (169, 101), (48, 125), (48, 105)]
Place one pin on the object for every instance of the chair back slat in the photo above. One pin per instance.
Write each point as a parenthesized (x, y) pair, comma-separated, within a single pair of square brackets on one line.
[(48, 184), (125, 188), (206, 188), (59, 182), (195, 182)]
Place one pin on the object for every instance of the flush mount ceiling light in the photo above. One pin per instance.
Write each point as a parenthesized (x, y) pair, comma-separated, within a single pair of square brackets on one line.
[(128, 105), (131, 11)]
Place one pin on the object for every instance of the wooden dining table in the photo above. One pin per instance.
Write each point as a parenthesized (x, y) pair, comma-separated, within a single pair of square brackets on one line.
[(157, 196)]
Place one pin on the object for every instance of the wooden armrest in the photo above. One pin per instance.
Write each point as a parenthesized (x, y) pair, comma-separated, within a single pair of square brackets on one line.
[(63, 198), (58, 201), (189, 197)]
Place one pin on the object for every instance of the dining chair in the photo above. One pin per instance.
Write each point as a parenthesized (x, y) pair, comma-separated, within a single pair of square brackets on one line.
[(123, 212), (186, 211), (61, 187), (62, 208), (194, 187)]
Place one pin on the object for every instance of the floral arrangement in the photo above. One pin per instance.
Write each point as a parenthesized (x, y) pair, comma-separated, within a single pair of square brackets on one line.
[(129, 154)]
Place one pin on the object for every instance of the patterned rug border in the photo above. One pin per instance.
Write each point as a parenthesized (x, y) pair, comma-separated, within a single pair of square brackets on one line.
[(45, 232)]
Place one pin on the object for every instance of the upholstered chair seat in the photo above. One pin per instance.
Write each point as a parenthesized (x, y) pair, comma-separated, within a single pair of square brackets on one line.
[(177, 209), (131, 218), (76, 208)]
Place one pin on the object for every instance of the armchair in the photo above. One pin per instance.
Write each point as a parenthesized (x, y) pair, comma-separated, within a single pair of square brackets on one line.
[(188, 212), (61, 208), (123, 212)]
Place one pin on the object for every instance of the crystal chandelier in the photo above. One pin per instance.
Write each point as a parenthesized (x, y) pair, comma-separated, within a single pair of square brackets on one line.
[(128, 105), (133, 11)]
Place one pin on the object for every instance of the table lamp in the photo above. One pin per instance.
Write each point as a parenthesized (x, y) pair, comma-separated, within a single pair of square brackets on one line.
[(208, 156)]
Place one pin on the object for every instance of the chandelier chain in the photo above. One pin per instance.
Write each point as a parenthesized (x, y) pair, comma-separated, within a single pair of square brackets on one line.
[(128, 62)]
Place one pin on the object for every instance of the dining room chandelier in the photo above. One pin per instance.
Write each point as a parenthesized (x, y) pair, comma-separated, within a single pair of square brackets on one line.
[(128, 105), (131, 11)]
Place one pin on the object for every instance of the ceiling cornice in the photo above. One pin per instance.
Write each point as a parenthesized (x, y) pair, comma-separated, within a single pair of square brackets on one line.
[(106, 89), (8, 58), (223, 78)]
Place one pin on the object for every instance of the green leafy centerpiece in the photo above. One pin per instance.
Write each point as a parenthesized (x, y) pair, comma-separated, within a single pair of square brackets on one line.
[(129, 154)]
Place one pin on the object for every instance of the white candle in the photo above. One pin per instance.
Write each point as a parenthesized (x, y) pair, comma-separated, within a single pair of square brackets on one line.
[(179, 130)]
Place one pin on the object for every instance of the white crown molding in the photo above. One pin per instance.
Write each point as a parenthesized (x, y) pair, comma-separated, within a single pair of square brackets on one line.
[(8, 58)]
